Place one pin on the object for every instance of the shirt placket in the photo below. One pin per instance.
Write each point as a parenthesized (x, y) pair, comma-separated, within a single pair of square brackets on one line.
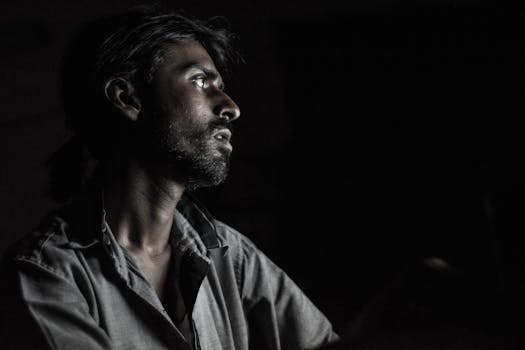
[(193, 271), (136, 283)]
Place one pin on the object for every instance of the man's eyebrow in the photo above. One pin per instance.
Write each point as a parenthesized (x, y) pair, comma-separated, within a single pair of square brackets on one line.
[(210, 73)]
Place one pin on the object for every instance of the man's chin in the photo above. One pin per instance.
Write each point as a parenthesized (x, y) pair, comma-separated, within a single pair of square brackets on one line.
[(205, 181), (206, 174), (205, 169)]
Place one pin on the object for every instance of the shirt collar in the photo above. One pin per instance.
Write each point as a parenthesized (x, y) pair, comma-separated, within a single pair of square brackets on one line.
[(200, 219), (85, 218)]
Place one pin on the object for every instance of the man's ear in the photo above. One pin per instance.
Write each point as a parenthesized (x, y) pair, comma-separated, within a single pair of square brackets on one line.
[(123, 96)]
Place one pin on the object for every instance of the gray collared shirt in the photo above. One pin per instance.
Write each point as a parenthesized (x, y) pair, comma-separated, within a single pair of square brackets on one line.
[(70, 285)]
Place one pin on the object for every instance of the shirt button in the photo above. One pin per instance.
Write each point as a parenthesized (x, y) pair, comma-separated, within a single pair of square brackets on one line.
[(106, 240)]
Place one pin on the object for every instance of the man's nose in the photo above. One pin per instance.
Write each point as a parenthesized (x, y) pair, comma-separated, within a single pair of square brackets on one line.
[(227, 108)]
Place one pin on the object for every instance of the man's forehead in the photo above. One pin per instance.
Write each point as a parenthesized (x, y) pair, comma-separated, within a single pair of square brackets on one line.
[(188, 54)]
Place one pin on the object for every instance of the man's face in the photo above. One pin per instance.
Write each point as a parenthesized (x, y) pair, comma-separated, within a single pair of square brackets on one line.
[(186, 120)]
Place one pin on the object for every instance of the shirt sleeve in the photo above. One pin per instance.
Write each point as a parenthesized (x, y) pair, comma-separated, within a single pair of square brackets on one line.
[(280, 315), (40, 309)]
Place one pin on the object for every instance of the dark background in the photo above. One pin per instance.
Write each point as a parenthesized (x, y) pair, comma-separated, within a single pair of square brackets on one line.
[(378, 159)]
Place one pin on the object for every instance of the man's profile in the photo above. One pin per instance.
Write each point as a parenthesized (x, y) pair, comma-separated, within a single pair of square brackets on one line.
[(131, 260)]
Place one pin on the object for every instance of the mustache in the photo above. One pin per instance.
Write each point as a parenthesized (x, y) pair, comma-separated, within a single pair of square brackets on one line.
[(220, 124)]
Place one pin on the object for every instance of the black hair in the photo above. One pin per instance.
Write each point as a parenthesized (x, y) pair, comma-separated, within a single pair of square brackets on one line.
[(129, 45)]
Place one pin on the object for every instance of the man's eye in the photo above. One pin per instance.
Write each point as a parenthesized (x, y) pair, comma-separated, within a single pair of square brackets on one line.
[(201, 82)]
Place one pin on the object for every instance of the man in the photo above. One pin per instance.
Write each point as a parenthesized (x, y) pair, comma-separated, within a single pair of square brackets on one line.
[(132, 261)]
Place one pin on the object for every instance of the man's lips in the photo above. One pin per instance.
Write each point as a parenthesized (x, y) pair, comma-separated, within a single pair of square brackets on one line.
[(223, 135)]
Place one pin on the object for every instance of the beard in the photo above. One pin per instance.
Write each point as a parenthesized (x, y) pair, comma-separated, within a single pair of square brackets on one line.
[(189, 155), (200, 165)]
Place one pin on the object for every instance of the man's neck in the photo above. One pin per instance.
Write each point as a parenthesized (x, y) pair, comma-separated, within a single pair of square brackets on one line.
[(140, 207)]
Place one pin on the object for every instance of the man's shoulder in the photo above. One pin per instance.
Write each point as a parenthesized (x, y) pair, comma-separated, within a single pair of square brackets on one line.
[(50, 232), (48, 246)]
